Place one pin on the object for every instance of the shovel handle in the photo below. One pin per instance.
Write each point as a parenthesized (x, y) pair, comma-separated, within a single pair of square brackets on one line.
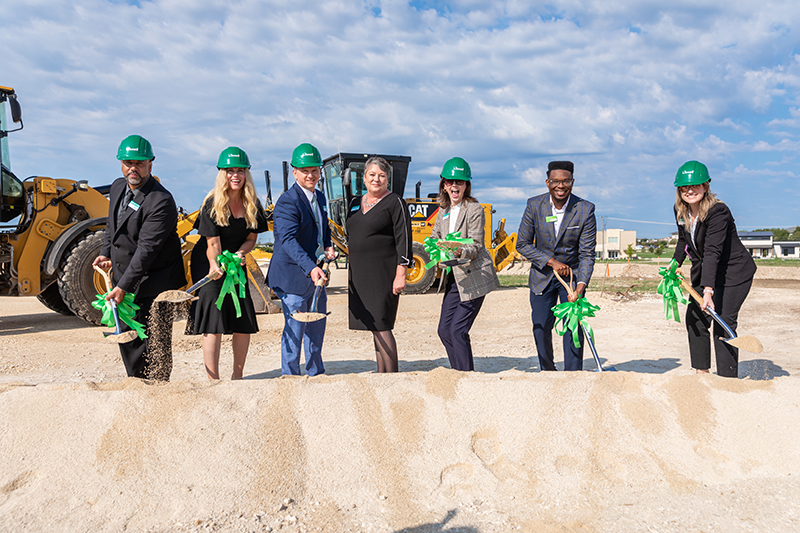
[(699, 299), (116, 316), (564, 283), (105, 277), (199, 284), (327, 272)]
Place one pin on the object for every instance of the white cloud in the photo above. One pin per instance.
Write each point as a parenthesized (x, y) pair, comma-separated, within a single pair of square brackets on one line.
[(625, 89)]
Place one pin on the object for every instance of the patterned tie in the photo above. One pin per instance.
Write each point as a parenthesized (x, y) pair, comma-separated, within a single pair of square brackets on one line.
[(123, 204), (320, 252)]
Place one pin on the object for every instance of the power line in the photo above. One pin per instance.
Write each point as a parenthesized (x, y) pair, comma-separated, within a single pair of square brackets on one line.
[(642, 221)]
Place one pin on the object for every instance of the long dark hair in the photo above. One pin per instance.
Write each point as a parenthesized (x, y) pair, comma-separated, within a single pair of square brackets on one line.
[(444, 199)]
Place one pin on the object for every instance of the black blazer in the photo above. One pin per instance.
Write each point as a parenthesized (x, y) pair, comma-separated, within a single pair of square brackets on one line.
[(719, 259), (143, 245)]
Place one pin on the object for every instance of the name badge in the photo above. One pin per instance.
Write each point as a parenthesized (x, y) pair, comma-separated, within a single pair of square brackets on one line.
[(355, 208), (446, 215), (551, 218), (133, 205)]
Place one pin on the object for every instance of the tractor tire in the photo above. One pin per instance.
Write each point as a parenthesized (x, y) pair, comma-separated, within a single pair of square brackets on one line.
[(418, 278), (52, 300), (78, 282)]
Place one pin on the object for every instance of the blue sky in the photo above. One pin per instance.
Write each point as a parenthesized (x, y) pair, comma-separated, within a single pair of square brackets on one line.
[(627, 90)]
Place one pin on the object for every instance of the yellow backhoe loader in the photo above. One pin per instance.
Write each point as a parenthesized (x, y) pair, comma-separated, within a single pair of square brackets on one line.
[(51, 230)]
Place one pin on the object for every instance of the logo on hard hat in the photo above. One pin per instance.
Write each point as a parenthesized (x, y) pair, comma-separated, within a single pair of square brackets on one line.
[(307, 154), (688, 171), (132, 149), (456, 168)]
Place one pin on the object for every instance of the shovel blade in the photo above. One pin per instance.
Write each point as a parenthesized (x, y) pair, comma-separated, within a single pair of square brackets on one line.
[(308, 317), (746, 342), (120, 338), (174, 297)]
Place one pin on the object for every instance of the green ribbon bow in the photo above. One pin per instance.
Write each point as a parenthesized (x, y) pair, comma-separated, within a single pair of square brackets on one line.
[(234, 276), (125, 309), (670, 289), (437, 253), (573, 315)]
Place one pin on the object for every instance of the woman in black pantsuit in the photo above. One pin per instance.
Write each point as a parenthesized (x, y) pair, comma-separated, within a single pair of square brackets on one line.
[(722, 268), (230, 220), (379, 245)]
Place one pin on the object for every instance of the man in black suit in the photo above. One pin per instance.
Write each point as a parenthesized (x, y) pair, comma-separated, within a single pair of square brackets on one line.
[(142, 246)]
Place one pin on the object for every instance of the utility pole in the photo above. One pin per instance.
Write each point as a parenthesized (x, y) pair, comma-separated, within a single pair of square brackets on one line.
[(603, 218)]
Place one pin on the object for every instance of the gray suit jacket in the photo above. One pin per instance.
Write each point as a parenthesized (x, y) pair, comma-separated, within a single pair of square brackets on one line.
[(478, 277), (574, 245)]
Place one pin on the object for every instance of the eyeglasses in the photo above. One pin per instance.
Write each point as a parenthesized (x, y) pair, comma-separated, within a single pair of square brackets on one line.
[(556, 183), (684, 188), (455, 182), (308, 171)]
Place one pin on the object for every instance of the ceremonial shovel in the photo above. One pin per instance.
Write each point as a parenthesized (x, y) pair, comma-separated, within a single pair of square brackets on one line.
[(313, 315), (747, 342), (451, 246), (182, 296), (118, 336), (585, 333)]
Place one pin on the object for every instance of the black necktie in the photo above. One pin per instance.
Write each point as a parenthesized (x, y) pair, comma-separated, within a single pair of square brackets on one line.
[(123, 204)]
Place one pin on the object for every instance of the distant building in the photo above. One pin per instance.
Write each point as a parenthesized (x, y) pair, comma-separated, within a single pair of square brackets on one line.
[(758, 243), (612, 243), (786, 249)]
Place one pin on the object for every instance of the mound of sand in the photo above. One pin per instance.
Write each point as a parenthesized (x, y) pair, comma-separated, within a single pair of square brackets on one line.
[(651, 447), (489, 453)]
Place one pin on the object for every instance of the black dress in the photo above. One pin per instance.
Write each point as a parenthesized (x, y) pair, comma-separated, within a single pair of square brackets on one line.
[(378, 241), (207, 318)]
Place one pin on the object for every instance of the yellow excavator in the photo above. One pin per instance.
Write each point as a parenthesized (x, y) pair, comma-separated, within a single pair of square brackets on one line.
[(51, 230), (342, 180)]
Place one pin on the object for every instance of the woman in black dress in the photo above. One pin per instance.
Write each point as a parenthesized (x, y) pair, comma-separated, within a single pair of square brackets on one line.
[(230, 220), (722, 268), (379, 243)]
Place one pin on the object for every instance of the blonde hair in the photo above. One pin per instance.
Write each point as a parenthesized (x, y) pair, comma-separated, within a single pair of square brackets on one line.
[(682, 208), (220, 212)]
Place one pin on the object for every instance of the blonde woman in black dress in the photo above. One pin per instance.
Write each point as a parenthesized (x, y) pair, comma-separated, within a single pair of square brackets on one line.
[(379, 244), (230, 220)]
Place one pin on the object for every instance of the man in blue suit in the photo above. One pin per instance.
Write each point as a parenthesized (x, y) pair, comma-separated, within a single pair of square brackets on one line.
[(302, 241), (558, 233)]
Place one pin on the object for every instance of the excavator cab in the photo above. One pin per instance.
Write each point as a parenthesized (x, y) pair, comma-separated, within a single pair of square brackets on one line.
[(12, 202), (342, 180)]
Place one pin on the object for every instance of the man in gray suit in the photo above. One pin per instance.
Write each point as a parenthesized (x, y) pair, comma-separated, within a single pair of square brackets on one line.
[(558, 233)]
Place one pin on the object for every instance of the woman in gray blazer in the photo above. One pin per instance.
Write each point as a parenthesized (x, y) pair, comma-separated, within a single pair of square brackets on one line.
[(466, 285)]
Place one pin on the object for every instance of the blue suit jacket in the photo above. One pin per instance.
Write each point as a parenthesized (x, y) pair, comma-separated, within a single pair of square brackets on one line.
[(295, 230), (574, 245)]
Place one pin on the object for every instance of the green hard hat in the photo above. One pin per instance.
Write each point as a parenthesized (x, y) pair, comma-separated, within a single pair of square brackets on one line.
[(456, 168), (135, 148), (691, 173), (306, 155), (233, 157)]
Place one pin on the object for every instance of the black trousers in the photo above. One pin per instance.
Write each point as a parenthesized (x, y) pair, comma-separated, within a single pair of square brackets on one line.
[(150, 358), (455, 321), (727, 302)]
